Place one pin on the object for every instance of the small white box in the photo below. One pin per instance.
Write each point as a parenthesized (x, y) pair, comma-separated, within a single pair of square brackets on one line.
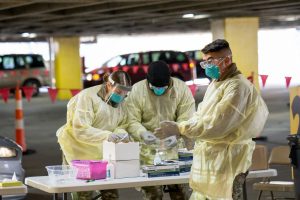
[(121, 151), (127, 168)]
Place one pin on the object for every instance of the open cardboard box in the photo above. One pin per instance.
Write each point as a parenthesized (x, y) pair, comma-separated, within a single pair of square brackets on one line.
[(121, 151)]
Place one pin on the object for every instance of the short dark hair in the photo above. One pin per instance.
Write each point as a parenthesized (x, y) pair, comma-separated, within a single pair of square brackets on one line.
[(215, 46)]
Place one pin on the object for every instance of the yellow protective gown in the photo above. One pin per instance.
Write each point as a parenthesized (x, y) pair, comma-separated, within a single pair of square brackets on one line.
[(230, 115), (89, 122), (146, 111)]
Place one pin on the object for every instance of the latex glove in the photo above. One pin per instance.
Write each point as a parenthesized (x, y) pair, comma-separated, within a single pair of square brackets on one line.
[(189, 143), (113, 138), (124, 137), (148, 137), (170, 142), (167, 129), (118, 137)]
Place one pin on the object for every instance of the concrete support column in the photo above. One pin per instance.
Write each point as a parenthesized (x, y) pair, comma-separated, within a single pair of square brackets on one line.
[(67, 65), (241, 33)]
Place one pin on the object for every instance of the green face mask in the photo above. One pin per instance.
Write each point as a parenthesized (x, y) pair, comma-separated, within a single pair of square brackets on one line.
[(159, 91), (213, 71), (116, 98)]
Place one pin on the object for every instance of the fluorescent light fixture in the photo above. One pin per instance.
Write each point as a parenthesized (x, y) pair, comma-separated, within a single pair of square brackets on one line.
[(88, 39), (287, 18), (290, 19), (201, 16), (190, 15), (32, 35), (29, 35), (193, 16), (25, 34)]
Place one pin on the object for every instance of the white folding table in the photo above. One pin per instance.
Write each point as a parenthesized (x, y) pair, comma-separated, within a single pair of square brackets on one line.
[(262, 173), (45, 184), (16, 190)]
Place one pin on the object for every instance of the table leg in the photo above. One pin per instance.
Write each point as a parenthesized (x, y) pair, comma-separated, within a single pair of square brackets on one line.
[(96, 197), (55, 196), (244, 191), (65, 196)]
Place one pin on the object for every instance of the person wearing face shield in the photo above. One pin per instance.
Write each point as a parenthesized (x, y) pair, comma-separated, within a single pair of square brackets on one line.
[(94, 115), (230, 115), (157, 98)]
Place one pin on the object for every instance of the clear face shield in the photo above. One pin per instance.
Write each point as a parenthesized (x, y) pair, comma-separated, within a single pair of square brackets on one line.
[(118, 92)]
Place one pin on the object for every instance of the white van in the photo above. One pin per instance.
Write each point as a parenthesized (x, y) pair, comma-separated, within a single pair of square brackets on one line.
[(23, 70)]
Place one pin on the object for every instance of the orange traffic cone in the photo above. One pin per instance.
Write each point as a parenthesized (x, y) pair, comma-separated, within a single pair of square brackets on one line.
[(20, 132)]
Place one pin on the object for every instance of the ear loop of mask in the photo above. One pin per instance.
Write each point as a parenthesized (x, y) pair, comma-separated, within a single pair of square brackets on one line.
[(108, 98), (228, 56), (223, 64)]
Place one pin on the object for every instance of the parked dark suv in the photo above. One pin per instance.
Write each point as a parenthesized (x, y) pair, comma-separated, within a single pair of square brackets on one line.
[(136, 64), (23, 70)]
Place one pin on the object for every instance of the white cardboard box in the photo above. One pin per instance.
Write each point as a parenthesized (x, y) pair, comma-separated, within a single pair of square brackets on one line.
[(127, 168), (121, 151)]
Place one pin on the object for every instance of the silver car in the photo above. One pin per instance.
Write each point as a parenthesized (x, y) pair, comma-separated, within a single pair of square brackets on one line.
[(10, 163)]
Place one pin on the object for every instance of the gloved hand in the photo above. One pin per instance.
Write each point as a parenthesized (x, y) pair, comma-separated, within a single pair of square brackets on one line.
[(170, 142), (148, 137), (113, 138), (167, 129), (118, 137), (124, 137), (189, 143)]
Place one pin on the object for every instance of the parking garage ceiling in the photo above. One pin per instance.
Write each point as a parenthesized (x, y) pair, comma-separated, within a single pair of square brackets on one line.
[(91, 17)]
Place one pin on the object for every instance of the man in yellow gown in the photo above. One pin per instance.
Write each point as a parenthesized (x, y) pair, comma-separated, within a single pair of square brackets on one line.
[(230, 115)]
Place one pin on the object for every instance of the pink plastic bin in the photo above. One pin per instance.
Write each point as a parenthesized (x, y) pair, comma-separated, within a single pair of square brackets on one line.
[(90, 169)]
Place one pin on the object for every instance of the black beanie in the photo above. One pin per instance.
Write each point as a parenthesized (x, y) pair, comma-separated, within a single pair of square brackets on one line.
[(159, 74)]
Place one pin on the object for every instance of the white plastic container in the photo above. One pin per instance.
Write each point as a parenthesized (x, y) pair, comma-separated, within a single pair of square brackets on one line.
[(61, 173)]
